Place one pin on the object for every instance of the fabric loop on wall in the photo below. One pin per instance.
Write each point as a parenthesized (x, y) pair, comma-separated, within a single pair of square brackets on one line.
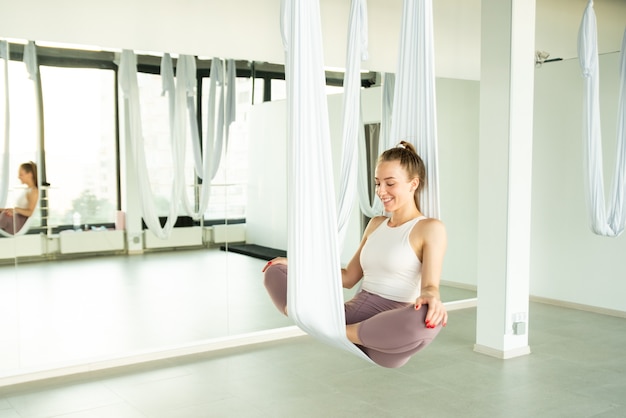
[(605, 223)]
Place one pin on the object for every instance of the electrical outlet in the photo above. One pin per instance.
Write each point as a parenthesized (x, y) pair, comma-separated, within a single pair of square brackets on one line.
[(519, 328)]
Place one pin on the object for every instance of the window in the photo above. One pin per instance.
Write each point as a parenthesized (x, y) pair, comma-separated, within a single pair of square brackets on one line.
[(81, 160)]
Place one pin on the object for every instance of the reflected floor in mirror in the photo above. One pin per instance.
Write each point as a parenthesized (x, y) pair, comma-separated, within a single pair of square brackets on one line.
[(71, 311), (67, 311)]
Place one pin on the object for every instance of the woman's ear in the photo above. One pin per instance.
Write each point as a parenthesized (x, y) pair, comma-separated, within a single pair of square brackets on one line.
[(415, 184)]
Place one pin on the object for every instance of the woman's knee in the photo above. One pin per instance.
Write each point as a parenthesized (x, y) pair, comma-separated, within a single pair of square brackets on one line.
[(275, 274)]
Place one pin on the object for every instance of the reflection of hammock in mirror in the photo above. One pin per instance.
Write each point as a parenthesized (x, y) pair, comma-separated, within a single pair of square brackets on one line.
[(19, 227), (30, 59), (182, 112), (314, 292)]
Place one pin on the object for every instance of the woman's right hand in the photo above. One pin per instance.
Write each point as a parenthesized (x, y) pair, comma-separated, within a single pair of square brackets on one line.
[(277, 260)]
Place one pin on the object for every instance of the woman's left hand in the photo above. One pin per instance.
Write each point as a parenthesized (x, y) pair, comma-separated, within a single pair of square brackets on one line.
[(9, 211), (437, 313)]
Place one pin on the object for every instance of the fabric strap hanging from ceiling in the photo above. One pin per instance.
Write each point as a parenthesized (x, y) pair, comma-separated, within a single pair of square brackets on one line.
[(182, 111), (134, 135), (314, 292), (370, 205), (414, 116), (603, 223), (32, 67), (352, 121), (4, 173)]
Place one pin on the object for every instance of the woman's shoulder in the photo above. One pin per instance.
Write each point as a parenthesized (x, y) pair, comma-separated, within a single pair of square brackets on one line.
[(33, 192), (374, 223), (430, 228)]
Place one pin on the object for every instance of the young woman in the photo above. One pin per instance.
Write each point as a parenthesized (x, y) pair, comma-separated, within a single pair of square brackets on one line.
[(13, 219), (398, 310)]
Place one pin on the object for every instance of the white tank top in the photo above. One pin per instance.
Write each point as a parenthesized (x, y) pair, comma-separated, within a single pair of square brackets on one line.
[(390, 266), (22, 199)]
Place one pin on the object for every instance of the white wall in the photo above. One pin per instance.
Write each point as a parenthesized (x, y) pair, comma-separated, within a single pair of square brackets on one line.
[(457, 105), (569, 262), (266, 217)]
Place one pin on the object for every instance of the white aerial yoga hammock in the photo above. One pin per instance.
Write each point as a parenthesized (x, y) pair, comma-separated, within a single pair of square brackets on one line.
[(602, 223), (32, 67), (414, 116), (314, 290), (352, 120)]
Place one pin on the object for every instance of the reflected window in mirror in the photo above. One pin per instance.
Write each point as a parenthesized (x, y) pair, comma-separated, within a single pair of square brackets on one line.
[(80, 142)]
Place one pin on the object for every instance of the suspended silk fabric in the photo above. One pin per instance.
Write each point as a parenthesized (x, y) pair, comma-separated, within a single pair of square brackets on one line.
[(314, 293), (4, 172), (370, 205), (609, 224), (32, 67), (414, 117), (352, 133), (134, 134), (182, 99), (185, 115)]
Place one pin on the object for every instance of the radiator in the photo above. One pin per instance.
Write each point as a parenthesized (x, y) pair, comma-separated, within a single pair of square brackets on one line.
[(71, 242), (21, 246), (189, 236), (229, 233)]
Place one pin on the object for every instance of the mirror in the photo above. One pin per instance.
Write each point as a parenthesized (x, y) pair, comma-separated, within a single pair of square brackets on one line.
[(69, 305)]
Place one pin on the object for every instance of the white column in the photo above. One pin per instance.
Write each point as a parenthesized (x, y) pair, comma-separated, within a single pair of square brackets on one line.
[(504, 176)]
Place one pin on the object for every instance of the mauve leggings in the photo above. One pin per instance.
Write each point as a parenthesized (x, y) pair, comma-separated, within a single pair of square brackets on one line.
[(391, 332)]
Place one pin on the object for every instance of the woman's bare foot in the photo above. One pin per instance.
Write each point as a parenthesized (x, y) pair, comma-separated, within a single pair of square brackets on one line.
[(352, 332)]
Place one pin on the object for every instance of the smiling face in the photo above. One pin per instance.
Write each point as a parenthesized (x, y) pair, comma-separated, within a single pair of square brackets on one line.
[(394, 187), (24, 176)]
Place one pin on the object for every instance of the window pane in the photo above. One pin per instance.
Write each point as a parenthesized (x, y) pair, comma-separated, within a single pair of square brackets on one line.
[(279, 89), (81, 162)]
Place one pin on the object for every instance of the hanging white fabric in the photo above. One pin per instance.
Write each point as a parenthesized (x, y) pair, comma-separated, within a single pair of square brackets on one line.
[(32, 67), (609, 224), (371, 206), (314, 293), (352, 132), (4, 172), (414, 117), (215, 140), (134, 134)]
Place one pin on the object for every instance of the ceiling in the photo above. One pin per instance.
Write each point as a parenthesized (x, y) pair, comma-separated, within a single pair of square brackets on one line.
[(249, 29)]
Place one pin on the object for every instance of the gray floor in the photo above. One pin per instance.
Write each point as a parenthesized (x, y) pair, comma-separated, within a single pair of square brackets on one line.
[(577, 369)]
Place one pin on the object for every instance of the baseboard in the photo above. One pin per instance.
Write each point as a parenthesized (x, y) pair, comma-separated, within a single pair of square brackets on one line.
[(503, 355), (578, 306)]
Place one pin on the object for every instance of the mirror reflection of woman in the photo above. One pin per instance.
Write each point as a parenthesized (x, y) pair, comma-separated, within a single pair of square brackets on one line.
[(13, 219)]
